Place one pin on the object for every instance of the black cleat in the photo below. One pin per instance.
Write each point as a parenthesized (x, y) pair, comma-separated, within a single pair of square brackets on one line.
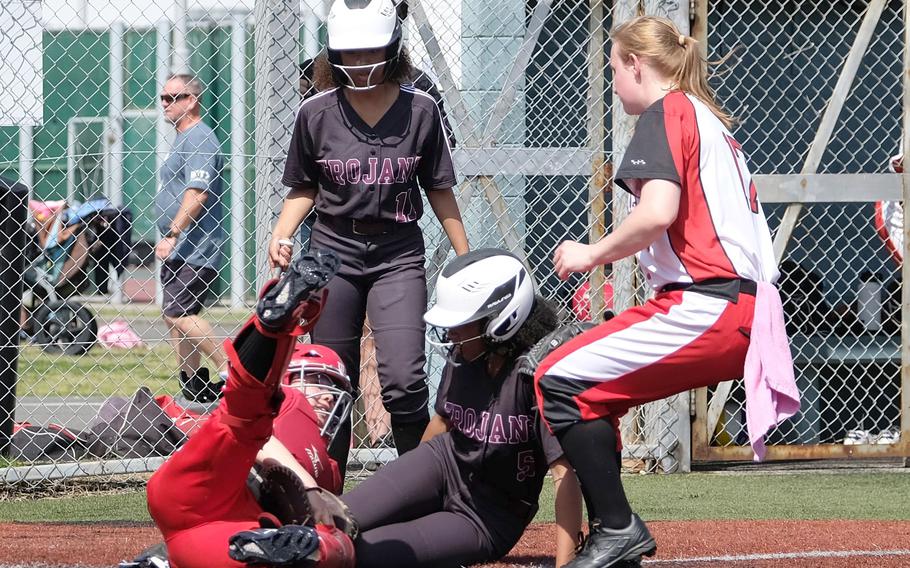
[(282, 304), (154, 556), (198, 388), (615, 547), (289, 545)]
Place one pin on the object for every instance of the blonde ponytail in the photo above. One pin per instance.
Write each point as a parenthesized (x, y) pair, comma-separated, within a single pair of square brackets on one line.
[(673, 54)]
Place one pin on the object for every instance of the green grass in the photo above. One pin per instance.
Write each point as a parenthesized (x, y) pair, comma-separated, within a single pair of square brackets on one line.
[(100, 372), (700, 496), (104, 507), (108, 311)]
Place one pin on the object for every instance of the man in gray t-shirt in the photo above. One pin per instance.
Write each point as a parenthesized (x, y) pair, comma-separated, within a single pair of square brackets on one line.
[(189, 215)]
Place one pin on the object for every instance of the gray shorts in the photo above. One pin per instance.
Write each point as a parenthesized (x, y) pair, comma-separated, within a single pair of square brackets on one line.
[(186, 288)]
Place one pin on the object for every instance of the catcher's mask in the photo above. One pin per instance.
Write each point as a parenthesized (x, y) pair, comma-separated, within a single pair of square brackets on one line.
[(320, 375), (486, 285), (359, 25)]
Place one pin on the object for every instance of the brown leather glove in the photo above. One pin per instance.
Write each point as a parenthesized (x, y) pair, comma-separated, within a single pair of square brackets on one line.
[(327, 509)]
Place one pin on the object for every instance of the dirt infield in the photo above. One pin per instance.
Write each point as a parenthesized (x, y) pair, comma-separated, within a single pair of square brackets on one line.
[(758, 544)]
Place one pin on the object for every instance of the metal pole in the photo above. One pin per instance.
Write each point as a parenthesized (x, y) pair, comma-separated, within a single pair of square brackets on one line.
[(238, 158), (27, 158), (700, 436), (311, 18), (596, 138), (181, 63), (624, 269), (667, 423), (905, 266), (163, 131), (70, 161), (277, 52), (115, 112), (12, 242)]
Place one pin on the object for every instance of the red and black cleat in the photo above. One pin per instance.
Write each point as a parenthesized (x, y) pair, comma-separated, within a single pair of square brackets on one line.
[(285, 302), (293, 545), (289, 545)]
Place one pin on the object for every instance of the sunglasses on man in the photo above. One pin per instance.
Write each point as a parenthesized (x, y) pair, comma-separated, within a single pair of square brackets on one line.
[(171, 99)]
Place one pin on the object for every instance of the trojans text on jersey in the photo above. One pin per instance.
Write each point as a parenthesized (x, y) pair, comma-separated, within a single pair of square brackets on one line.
[(494, 428), (352, 172)]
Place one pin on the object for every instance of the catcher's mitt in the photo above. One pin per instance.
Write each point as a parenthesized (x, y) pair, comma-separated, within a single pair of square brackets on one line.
[(328, 509), (550, 342), (284, 495)]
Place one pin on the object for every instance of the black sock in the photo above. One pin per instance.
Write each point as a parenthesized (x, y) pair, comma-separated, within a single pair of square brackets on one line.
[(589, 447), (407, 435), (256, 352)]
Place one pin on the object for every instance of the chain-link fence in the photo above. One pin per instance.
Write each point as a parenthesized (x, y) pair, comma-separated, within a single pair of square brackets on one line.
[(818, 89), (527, 91)]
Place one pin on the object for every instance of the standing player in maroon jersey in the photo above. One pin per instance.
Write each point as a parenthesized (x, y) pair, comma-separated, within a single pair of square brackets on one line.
[(199, 498), (704, 245), (360, 154)]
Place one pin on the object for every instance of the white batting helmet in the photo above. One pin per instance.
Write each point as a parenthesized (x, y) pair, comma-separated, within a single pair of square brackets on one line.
[(485, 284), (355, 25)]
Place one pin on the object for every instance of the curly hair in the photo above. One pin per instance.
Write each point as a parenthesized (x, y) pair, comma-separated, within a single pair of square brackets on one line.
[(543, 319), (324, 78)]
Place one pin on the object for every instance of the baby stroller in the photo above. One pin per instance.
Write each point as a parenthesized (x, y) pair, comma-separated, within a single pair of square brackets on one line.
[(61, 243)]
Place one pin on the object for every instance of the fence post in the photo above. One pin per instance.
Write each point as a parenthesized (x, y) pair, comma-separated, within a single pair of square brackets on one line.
[(277, 25), (238, 159), (597, 111), (12, 242), (905, 265), (669, 425)]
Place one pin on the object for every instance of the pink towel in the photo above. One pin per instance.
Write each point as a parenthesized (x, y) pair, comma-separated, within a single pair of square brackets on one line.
[(771, 393), (118, 335)]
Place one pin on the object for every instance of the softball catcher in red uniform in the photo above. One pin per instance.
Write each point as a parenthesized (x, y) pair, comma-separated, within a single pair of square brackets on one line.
[(200, 498)]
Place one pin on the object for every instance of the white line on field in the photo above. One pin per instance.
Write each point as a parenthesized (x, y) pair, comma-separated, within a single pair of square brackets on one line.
[(783, 556)]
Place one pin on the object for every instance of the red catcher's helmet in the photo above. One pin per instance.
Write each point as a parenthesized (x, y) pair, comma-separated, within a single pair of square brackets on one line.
[(318, 365)]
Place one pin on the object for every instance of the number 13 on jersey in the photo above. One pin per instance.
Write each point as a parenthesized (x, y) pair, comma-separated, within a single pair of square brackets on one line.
[(742, 170)]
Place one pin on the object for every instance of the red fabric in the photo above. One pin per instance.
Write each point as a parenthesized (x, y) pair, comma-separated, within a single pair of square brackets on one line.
[(692, 234), (297, 428), (581, 300), (199, 497), (881, 227), (336, 550), (717, 355), (188, 421)]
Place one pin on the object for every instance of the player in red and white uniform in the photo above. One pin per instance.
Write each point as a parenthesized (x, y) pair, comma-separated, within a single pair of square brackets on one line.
[(703, 243), (200, 498)]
